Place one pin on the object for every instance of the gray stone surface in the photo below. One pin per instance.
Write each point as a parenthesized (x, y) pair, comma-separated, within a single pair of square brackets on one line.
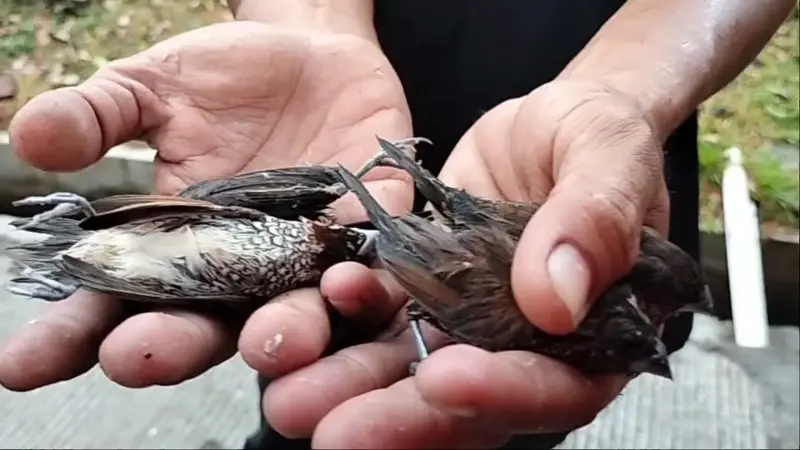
[(722, 397)]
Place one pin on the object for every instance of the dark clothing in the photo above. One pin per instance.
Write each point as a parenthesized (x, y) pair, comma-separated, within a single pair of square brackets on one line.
[(459, 59)]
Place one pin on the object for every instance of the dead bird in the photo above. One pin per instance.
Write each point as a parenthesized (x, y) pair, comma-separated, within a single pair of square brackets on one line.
[(457, 272), (235, 241), (664, 279)]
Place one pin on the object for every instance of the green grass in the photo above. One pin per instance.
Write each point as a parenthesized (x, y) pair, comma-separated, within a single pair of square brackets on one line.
[(52, 43), (757, 112)]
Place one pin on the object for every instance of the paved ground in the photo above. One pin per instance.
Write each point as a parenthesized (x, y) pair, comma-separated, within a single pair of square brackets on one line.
[(722, 397)]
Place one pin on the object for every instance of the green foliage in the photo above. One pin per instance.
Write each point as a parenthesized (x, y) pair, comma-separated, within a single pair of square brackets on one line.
[(757, 112), (777, 188), (20, 41), (775, 185), (712, 161), (58, 7)]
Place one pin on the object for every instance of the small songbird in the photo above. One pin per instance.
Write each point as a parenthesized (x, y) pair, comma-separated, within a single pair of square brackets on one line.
[(235, 242), (457, 267)]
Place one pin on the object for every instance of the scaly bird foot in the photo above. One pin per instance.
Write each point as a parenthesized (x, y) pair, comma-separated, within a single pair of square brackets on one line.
[(414, 318), (380, 160), (64, 204)]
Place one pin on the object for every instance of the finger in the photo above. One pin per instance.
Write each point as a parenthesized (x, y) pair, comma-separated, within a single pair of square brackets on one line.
[(69, 129), (289, 332), (164, 348), (397, 417), (61, 344), (295, 403), (368, 296), (525, 392), (294, 330), (586, 235)]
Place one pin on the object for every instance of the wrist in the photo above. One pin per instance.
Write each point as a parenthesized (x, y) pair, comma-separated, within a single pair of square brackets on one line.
[(335, 16), (664, 111), (671, 56)]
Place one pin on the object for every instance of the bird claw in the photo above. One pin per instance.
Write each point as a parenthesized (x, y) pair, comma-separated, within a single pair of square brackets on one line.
[(64, 203), (381, 159), (410, 143), (414, 317), (412, 368), (56, 198)]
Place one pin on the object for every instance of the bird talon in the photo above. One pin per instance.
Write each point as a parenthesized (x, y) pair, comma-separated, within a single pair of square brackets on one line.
[(381, 159), (412, 142), (419, 338), (64, 203), (57, 198)]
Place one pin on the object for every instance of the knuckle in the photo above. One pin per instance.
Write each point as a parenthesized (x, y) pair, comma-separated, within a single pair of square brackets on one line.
[(615, 216), (353, 364)]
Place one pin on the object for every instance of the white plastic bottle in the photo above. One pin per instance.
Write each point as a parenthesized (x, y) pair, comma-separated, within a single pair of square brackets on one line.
[(743, 248)]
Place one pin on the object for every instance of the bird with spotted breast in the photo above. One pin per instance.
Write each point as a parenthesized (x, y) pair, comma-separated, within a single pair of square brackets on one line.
[(233, 242), (456, 269)]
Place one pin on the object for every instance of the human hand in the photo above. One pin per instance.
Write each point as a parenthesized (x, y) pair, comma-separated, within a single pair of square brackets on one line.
[(216, 101), (592, 153)]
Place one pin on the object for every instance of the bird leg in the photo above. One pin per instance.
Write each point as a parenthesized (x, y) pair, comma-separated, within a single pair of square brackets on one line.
[(415, 316), (32, 284), (64, 204), (380, 160)]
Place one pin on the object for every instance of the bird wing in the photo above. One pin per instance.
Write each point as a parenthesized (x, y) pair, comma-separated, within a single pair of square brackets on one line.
[(122, 209), (456, 283), (98, 280), (286, 193)]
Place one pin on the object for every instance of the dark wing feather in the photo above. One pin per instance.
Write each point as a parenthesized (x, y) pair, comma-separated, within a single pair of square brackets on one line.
[(96, 279), (458, 284), (286, 193), (118, 210), (368, 225)]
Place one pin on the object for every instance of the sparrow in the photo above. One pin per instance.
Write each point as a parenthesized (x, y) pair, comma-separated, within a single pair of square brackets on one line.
[(232, 242), (456, 269)]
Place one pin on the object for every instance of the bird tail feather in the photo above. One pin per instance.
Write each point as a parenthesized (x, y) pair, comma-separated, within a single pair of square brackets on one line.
[(379, 217), (34, 270)]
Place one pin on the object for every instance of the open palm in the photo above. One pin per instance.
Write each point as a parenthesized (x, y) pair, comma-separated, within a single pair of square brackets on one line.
[(226, 99), (214, 102)]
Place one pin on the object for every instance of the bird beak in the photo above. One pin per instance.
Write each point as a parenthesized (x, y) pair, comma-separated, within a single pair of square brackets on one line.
[(704, 306), (657, 364), (707, 305)]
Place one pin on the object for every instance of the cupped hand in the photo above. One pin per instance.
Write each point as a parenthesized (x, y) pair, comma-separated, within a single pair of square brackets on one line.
[(592, 154), (214, 102)]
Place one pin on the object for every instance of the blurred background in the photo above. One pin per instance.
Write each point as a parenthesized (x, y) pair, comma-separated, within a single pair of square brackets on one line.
[(724, 396)]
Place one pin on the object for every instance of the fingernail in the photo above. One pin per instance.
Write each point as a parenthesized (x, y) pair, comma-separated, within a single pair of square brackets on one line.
[(570, 278)]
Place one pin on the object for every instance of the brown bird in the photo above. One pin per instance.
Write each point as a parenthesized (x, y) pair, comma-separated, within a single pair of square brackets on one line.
[(457, 272), (234, 241)]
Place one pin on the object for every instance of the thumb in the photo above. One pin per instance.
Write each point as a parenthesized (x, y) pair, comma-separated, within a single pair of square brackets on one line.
[(585, 236), (68, 129)]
